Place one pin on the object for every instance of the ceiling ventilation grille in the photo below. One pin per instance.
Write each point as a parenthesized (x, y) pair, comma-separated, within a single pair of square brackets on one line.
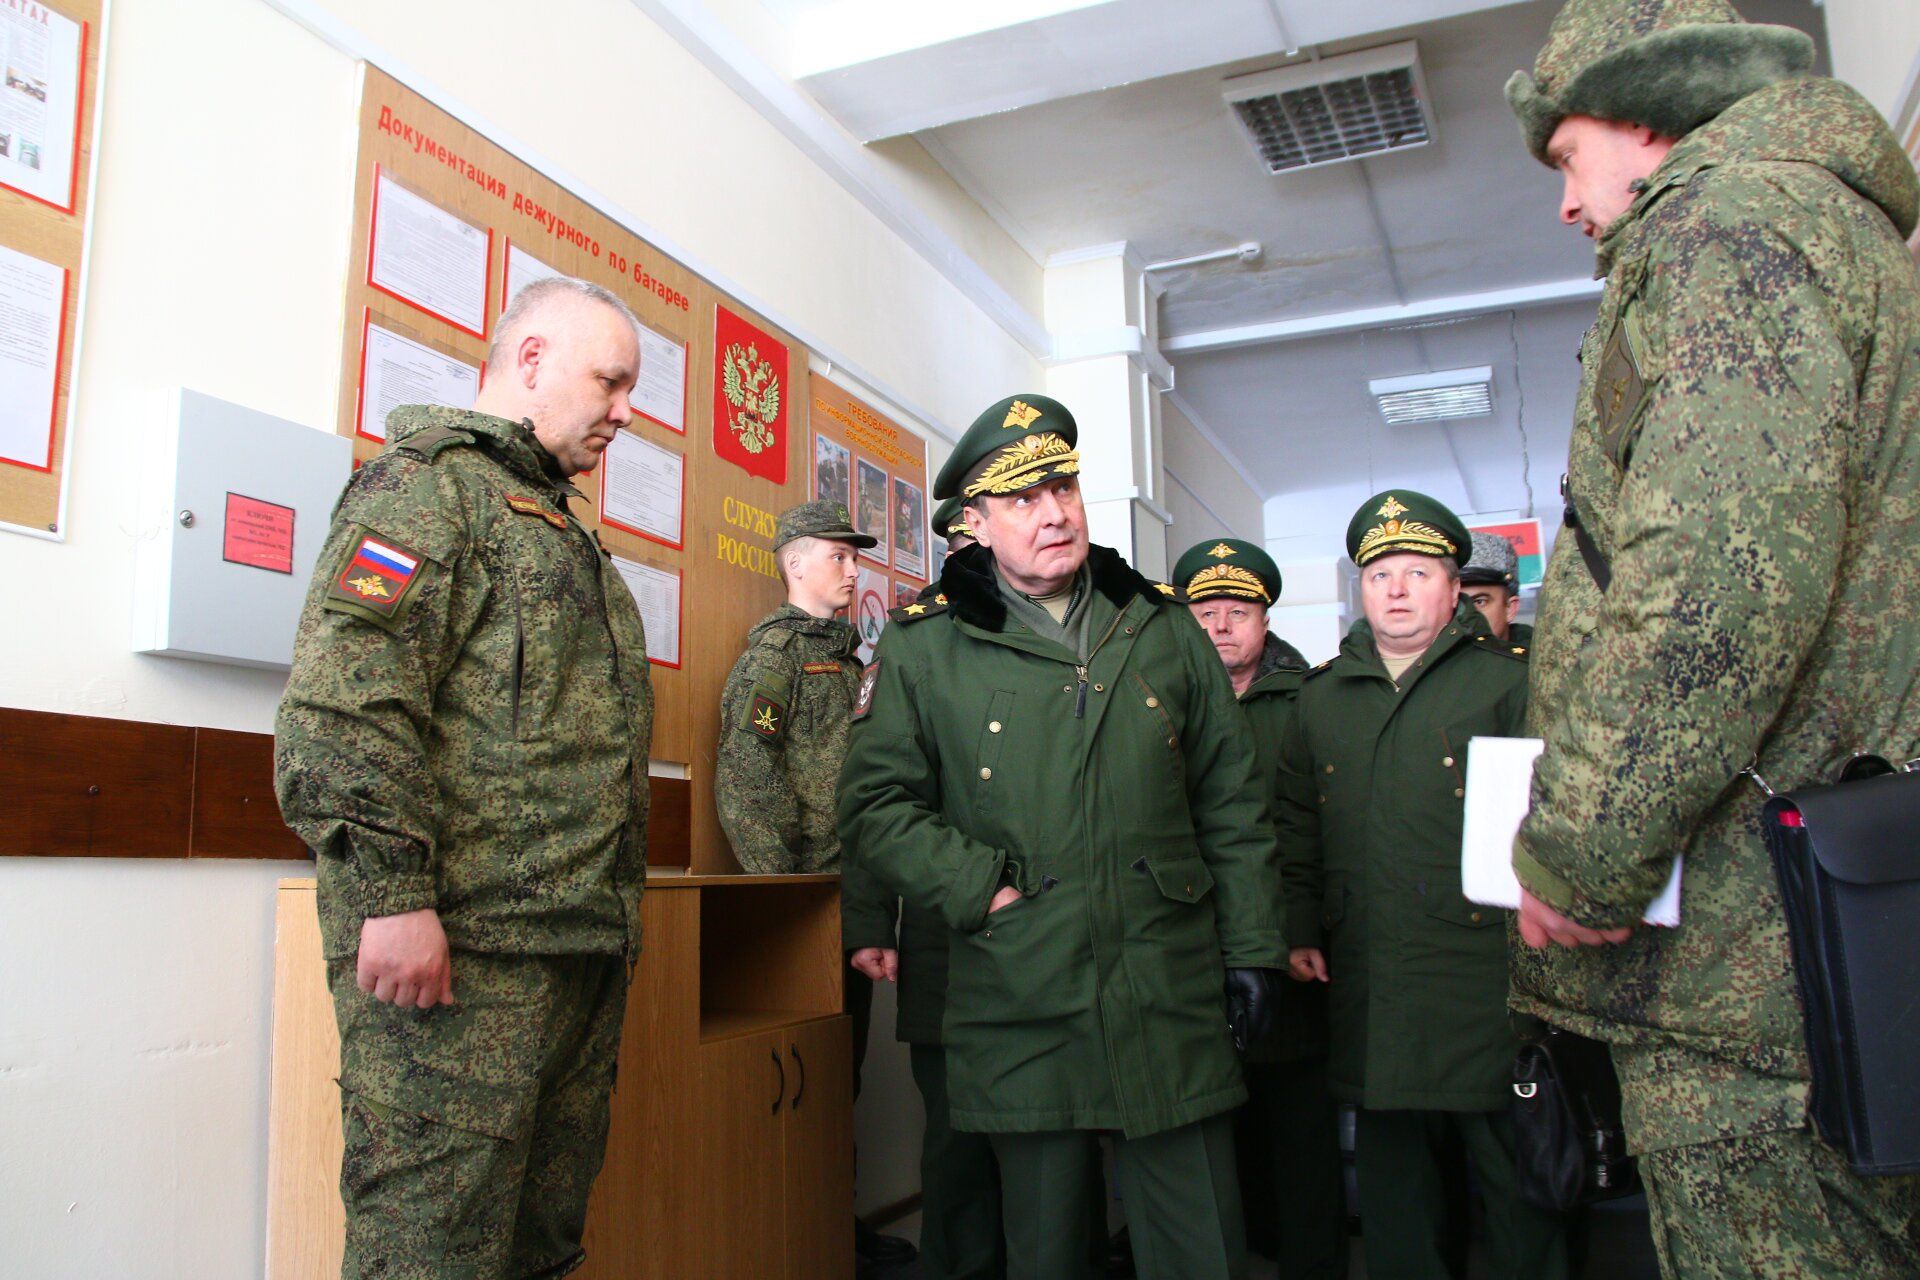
[(1343, 108), (1435, 397)]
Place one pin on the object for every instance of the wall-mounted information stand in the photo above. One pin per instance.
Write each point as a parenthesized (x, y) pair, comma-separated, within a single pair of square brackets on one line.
[(248, 497)]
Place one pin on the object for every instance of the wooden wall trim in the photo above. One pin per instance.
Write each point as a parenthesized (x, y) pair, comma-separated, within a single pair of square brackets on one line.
[(95, 787)]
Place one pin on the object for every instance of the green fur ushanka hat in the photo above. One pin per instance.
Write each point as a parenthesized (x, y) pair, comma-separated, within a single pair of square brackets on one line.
[(1671, 65)]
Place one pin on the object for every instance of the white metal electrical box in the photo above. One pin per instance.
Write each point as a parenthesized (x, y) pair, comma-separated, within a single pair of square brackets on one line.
[(247, 498)]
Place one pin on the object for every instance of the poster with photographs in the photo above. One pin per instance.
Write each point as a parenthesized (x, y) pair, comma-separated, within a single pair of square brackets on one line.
[(904, 593), (870, 510), (909, 529), (832, 471)]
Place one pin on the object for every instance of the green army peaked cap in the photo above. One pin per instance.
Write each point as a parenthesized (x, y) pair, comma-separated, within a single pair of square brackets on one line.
[(818, 520), (1403, 520), (1227, 567), (950, 520), (1671, 65), (1492, 563), (1015, 444)]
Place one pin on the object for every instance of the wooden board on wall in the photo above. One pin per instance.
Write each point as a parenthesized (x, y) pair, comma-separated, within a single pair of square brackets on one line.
[(31, 496), (727, 577)]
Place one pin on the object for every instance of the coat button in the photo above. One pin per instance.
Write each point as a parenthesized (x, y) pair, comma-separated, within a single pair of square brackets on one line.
[(1066, 688), (1475, 917), (993, 726), (1323, 799), (1459, 793), (985, 774), (1446, 762), (1189, 890), (1153, 702), (1099, 688), (1173, 742)]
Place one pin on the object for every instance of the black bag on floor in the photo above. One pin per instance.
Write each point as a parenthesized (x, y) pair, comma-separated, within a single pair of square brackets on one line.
[(1570, 1147), (1848, 858)]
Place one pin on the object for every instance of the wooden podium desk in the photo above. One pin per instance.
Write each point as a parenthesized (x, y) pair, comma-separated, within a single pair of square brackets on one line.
[(731, 1149)]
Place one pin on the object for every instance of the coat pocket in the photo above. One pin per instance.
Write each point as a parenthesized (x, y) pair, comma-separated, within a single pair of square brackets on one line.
[(1182, 879), (1455, 909)]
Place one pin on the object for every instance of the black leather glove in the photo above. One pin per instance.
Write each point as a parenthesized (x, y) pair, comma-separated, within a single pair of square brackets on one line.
[(1249, 1006)]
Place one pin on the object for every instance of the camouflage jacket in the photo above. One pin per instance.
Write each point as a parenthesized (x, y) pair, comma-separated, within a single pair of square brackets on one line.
[(467, 720), (1747, 456), (783, 735)]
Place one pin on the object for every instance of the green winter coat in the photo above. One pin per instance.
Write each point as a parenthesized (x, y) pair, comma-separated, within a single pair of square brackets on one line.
[(1746, 454), (1299, 1008), (1135, 831), (783, 736), (472, 738), (1371, 785)]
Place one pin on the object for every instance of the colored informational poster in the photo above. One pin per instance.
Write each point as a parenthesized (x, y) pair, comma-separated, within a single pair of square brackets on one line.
[(750, 395), (1525, 537), (871, 600), (429, 258), (870, 510), (395, 370), (40, 58), (909, 529), (657, 593), (643, 489), (832, 471), (904, 594), (33, 297), (257, 533)]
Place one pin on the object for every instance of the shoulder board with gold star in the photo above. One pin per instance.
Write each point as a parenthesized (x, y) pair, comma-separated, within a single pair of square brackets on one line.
[(1165, 589), (920, 609), (1314, 671), (1517, 652), (432, 442)]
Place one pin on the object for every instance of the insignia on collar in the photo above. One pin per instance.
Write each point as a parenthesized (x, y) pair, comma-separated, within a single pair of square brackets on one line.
[(534, 507), (1020, 414)]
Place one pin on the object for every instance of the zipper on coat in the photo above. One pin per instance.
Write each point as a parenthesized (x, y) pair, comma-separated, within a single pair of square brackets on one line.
[(1080, 695)]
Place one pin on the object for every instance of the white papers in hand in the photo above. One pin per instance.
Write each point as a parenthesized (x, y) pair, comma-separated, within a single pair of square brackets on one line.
[(1499, 782)]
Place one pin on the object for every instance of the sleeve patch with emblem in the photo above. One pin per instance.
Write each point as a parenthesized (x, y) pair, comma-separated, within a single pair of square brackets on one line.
[(864, 702), (766, 716), (377, 578)]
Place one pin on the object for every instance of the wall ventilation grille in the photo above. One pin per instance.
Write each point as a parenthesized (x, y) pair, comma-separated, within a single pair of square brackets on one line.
[(1343, 108)]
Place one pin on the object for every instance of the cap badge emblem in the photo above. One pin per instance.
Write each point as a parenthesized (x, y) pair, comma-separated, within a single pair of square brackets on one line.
[(1392, 508), (1020, 414)]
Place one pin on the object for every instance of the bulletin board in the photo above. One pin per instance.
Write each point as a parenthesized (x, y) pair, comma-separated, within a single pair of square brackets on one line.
[(735, 442), (859, 456), (49, 109)]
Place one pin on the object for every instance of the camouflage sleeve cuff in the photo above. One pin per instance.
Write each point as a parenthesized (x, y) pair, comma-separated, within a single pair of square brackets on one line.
[(395, 894), (1560, 894)]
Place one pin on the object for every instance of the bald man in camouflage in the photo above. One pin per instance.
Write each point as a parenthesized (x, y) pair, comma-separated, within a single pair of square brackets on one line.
[(1745, 460)]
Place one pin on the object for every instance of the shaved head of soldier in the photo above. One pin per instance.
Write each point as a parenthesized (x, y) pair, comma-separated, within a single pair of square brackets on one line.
[(565, 356)]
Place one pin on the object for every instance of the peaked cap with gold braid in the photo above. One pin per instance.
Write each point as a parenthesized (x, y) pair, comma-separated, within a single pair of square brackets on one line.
[(1227, 567), (1402, 520), (950, 520), (1017, 443)]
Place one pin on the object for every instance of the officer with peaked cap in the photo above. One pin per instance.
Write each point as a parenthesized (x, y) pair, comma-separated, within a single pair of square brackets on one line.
[(1288, 1135), (1738, 592), (1373, 768), (1490, 580), (783, 735), (1053, 761)]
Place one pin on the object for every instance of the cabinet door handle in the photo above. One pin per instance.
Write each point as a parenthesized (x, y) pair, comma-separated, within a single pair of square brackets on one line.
[(798, 1061), (780, 1093)]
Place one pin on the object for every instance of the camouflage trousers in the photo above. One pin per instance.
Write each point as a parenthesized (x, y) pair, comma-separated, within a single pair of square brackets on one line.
[(1779, 1206), (474, 1131)]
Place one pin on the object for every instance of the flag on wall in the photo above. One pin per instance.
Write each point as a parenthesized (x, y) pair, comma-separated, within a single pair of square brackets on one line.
[(750, 394)]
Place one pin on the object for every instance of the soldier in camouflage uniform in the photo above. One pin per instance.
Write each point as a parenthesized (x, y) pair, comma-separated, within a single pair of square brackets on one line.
[(1490, 580), (783, 735), (463, 744), (1289, 1132), (1746, 470)]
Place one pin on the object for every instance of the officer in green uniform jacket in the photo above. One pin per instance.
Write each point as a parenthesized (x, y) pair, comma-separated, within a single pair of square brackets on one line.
[(1745, 460), (463, 744), (1053, 762), (1490, 581), (1288, 1136), (1372, 778)]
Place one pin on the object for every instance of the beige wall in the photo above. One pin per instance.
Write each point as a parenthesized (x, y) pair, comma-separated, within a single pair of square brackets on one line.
[(1205, 492), (1874, 46)]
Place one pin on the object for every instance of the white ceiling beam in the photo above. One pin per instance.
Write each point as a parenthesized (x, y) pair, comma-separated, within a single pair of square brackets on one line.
[(1463, 304)]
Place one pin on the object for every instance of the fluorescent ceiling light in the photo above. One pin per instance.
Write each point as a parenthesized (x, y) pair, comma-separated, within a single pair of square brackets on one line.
[(1432, 397)]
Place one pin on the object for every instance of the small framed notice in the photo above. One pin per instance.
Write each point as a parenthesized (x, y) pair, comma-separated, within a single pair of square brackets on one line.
[(522, 270), (643, 489), (258, 533), (41, 53), (429, 258), (660, 395), (33, 317), (395, 370), (657, 592)]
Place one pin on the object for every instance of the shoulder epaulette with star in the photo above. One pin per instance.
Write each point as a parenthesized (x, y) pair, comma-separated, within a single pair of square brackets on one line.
[(1517, 652), (1166, 589), (1314, 671), (919, 609), (432, 442)]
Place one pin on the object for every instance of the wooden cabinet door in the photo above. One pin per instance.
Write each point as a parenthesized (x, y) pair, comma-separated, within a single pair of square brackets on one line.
[(819, 1149), (745, 1083)]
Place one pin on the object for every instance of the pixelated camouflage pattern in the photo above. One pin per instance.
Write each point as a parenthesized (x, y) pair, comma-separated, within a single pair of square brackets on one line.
[(473, 1131), (1778, 1206), (775, 795), (1753, 476), (486, 755), (1368, 809)]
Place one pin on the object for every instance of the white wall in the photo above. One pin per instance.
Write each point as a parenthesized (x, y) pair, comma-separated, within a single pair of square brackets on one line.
[(134, 1002), (1874, 45), (1206, 493)]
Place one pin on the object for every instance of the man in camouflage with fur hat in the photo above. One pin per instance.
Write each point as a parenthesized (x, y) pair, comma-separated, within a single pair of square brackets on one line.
[(1745, 460)]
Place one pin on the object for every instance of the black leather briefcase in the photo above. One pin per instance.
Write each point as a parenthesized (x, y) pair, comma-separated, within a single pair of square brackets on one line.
[(1848, 858)]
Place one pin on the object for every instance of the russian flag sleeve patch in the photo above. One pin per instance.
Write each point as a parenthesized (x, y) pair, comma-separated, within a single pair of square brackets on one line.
[(376, 578)]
